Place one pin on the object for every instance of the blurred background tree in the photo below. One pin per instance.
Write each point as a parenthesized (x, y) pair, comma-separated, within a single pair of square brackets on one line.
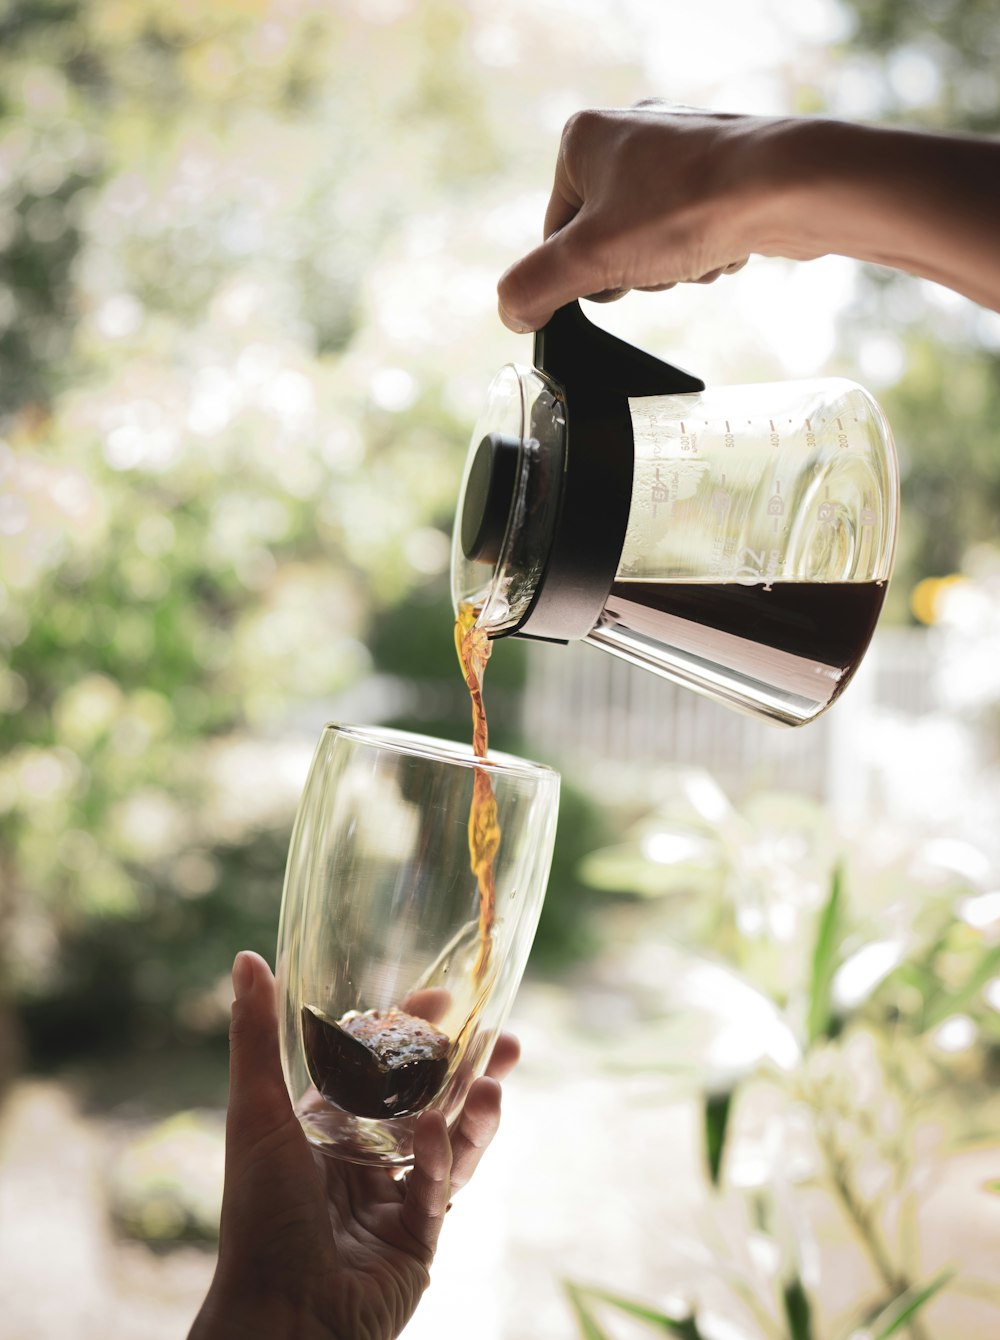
[(229, 463), (935, 63), (248, 255), (222, 504)]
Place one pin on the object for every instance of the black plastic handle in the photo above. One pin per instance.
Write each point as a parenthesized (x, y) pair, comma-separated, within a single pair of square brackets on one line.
[(575, 352)]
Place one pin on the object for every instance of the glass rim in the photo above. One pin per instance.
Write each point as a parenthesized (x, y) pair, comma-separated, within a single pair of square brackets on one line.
[(439, 750)]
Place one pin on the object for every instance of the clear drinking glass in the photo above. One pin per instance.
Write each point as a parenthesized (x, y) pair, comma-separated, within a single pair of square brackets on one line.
[(381, 913)]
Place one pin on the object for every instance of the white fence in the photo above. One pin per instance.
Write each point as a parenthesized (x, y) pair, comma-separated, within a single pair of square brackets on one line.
[(582, 707)]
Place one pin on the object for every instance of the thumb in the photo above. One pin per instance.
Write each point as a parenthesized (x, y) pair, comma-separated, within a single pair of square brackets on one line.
[(258, 1099), (270, 1172), (565, 266)]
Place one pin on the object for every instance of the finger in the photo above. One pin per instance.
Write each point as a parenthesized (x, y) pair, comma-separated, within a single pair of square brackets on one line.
[(429, 1003), (565, 200), (522, 307), (607, 295), (506, 1055), (258, 1099), (547, 278), (428, 1183), (730, 269), (563, 207), (476, 1128), (311, 1101)]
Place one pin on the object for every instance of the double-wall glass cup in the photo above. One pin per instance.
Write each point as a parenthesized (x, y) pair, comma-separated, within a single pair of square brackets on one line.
[(394, 976)]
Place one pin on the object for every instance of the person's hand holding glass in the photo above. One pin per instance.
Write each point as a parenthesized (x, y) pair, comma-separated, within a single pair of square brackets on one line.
[(342, 1155)]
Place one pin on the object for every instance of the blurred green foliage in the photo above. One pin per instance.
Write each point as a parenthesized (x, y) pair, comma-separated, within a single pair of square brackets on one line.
[(849, 991), (934, 64), (227, 475), (228, 460), (165, 1184), (229, 451), (951, 48), (202, 503)]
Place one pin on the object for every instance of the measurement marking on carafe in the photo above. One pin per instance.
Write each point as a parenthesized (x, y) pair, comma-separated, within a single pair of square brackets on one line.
[(776, 504), (719, 501)]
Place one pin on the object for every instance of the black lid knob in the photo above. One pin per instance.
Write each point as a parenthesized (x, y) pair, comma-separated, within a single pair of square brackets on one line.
[(489, 494)]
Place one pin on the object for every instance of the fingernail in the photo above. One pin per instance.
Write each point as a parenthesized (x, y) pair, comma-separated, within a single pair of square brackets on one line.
[(242, 974)]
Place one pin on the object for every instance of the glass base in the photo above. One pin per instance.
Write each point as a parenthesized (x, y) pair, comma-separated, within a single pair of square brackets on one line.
[(386, 1144)]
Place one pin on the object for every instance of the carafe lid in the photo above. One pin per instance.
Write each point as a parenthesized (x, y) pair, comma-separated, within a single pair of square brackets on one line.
[(536, 543), (509, 497)]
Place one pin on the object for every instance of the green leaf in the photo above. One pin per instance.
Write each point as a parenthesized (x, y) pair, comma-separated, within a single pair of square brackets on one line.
[(902, 1309), (797, 1310), (825, 961), (717, 1109), (953, 1002), (626, 869), (993, 1186), (585, 1320), (684, 1327)]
